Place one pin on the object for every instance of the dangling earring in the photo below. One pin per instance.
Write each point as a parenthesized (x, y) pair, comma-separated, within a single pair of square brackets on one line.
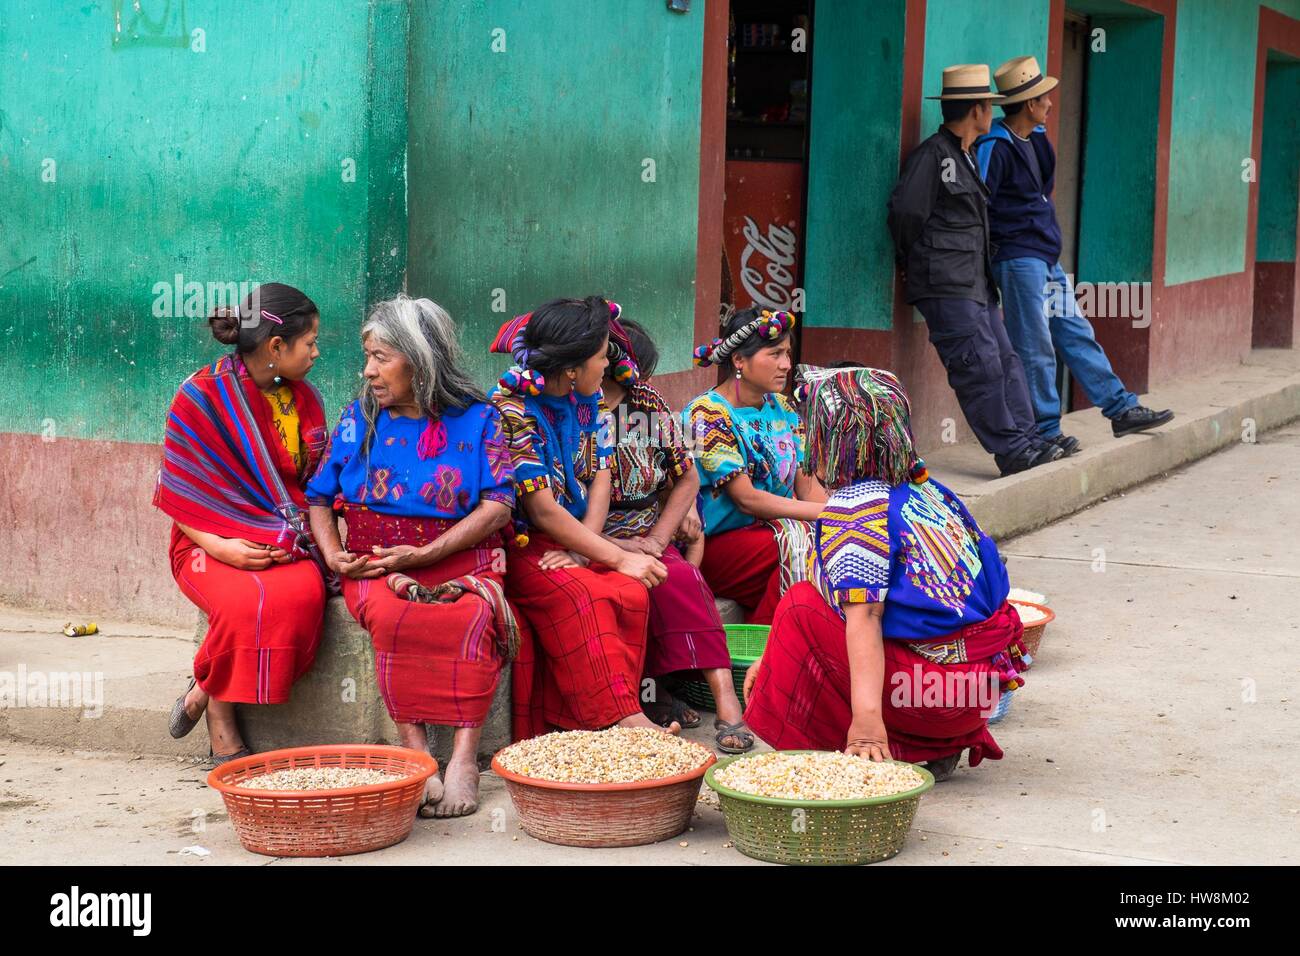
[(737, 371), (272, 365)]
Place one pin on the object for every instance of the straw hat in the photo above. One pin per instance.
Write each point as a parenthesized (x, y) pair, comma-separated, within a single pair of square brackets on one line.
[(1021, 79), (968, 81)]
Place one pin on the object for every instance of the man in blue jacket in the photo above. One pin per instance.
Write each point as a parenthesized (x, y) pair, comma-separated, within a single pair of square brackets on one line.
[(1018, 164)]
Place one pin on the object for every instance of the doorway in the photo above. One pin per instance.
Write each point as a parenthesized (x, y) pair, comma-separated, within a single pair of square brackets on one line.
[(1274, 318), (769, 70)]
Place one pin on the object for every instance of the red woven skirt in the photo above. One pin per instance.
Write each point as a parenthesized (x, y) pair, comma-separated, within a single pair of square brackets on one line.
[(744, 565), (686, 633), (580, 660), (801, 699), (435, 663), (263, 626)]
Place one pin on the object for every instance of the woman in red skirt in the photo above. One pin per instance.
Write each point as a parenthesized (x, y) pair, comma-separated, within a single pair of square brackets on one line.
[(902, 641), (419, 468), (243, 435), (583, 597), (652, 510), (748, 444)]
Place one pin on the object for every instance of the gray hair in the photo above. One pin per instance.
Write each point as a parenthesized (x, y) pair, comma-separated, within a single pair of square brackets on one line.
[(425, 335)]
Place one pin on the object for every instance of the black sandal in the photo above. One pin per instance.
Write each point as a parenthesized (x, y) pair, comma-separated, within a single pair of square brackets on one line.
[(664, 713), (738, 729), (218, 760), (182, 723)]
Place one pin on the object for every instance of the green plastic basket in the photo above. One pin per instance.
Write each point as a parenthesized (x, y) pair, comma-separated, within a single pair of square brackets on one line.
[(745, 642), (817, 832)]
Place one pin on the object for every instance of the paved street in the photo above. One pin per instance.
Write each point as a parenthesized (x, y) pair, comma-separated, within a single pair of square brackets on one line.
[(1157, 726)]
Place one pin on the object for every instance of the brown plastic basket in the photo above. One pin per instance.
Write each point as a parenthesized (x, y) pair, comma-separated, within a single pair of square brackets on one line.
[(1033, 635), (604, 814), (325, 822)]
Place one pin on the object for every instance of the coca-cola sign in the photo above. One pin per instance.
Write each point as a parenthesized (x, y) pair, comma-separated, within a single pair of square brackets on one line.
[(770, 279)]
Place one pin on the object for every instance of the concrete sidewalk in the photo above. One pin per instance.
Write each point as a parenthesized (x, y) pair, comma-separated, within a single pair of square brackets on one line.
[(1212, 412), (1158, 725)]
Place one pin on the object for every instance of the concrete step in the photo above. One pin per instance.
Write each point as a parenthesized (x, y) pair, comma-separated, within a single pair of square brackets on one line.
[(114, 690), (1212, 412)]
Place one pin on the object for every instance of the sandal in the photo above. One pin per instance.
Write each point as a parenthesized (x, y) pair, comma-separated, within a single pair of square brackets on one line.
[(664, 713), (181, 723), (218, 760), (738, 729), (943, 768)]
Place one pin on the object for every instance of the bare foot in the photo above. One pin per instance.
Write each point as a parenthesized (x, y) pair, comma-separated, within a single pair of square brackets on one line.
[(641, 720), (460, 790), (433, 792), (196, 702)]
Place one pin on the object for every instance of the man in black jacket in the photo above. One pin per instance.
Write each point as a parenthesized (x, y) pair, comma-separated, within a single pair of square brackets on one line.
[(938, 216)]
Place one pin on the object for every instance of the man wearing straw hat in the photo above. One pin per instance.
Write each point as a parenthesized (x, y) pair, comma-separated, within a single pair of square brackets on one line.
[(938, 217), (1018, 165)]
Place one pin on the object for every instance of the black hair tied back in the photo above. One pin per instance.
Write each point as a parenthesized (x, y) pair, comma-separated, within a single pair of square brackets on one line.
[(564, 333), (269, 310)]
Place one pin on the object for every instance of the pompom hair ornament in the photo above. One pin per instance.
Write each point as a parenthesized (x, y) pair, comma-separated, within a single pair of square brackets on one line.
[(624, 368), (522, 381), (768, 325)]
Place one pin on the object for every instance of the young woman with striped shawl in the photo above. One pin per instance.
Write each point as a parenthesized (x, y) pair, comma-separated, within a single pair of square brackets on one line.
[(583, 596), (243, 436), (748, 442), (902, 640), (419, 469)]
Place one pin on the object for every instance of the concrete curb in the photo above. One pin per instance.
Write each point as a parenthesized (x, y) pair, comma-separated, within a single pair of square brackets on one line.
[(1265, 396)]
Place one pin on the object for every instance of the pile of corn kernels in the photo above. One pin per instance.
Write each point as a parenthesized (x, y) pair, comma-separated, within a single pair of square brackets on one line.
[(1028, 615), (318, 778), (1020, 594), (824, 775), (616, 755)]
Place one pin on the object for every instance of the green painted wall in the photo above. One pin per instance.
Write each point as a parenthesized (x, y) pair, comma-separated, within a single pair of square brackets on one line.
[(857, 91), (1210, 136), (1120, 139), (959, 31), (222, 166), (1279, 167), (527, 165)]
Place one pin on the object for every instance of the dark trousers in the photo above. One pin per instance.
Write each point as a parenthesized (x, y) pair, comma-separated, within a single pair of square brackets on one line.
[(984, 370)]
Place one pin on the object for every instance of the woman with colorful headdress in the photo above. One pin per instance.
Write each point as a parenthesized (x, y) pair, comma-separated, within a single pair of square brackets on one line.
[(583, 596), (652, 510), (902, 640), (243, 436), (419, 470), (747, 439)]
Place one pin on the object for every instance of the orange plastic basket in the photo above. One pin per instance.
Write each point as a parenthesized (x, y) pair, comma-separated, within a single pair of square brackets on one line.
[(1033, 635), (604, 814), (325, 822)]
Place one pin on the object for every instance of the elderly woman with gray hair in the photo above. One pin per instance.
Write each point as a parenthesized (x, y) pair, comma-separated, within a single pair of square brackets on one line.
[(420, 471)]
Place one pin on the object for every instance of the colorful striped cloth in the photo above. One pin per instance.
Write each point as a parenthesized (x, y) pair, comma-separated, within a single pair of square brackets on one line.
[(225, 470)]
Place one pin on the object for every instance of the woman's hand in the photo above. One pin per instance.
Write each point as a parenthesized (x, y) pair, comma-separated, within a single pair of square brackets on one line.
[(867, 738), (399, 557), (645, 568), (552, 560), (245, 555), (653, 545), (355, 566), (691, 527), (751, 675)]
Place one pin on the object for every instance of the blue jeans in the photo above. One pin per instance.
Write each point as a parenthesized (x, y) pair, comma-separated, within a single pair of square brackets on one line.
[(1042, 317)]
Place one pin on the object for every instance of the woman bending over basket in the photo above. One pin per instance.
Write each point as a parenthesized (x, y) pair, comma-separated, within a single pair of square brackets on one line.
[(902, 640)]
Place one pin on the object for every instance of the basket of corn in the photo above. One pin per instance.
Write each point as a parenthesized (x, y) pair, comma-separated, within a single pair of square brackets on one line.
[(817, 808), (323, 801), (745, 642), (1034, 617), (625, 786)]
